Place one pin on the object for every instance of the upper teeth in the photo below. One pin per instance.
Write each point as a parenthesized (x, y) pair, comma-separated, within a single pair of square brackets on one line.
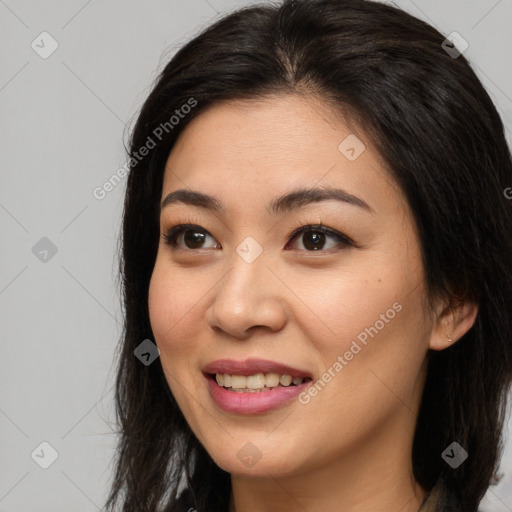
[(257, 381)]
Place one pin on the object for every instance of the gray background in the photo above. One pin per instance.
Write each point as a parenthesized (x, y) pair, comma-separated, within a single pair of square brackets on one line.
[(62, 121)]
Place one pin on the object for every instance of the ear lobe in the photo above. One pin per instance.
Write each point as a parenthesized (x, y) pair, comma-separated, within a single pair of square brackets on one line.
[(454, 321)]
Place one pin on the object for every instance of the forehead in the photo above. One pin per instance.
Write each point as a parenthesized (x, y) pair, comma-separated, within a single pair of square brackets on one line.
[(286, 127), (261, 148)]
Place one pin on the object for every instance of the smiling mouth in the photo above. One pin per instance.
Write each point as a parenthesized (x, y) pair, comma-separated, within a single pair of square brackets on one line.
[(256, 383)]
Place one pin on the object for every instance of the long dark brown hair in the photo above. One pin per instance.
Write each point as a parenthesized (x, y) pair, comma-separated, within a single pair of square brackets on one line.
[(441, 136)]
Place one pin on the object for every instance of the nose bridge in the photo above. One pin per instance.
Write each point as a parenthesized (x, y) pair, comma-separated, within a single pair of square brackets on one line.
[(246, 297), (244, 286)]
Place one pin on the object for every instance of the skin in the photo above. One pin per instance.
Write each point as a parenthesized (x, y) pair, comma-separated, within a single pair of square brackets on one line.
[(349, 448)]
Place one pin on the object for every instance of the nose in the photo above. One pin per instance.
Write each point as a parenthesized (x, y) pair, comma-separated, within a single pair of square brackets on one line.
[(248, 298)]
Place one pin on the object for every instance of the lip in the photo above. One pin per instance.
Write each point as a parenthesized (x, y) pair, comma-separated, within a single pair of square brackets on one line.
[(252, 366), (252, 403)]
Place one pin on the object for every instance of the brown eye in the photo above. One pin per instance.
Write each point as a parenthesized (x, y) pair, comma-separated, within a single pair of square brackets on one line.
[(193, 239), (192, 236), (314, 238)]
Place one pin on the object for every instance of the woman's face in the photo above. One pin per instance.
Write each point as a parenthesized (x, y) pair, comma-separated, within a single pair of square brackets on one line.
[(343, 307)]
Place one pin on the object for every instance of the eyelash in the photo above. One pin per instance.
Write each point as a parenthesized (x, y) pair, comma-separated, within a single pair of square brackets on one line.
[(343, 240)]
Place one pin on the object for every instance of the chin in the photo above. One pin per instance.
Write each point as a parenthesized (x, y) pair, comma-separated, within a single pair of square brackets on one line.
[(247, 460)]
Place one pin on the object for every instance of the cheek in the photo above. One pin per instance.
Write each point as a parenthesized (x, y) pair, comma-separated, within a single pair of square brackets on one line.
[(372, 318), (160, 302), (369, 364), (171, 310), (172, 301), (340, 306), (172, 306)]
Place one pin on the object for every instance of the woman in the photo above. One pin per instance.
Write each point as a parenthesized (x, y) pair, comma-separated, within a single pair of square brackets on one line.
[(317, 239)]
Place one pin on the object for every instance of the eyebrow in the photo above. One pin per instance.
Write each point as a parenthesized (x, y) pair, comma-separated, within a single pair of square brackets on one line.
[(285, 203)]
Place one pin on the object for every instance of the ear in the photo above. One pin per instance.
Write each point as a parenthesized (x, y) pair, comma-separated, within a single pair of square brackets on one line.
[(452, 321)]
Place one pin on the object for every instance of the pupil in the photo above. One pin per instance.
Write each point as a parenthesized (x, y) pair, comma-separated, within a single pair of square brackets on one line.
[(314, 241), (317, 240), (193, 239)]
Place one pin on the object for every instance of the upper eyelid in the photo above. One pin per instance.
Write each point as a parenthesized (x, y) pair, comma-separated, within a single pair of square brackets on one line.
[(318, 227), (179, 228)]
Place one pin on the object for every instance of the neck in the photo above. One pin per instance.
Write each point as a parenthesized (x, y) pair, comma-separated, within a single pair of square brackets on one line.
[(276, 495)]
